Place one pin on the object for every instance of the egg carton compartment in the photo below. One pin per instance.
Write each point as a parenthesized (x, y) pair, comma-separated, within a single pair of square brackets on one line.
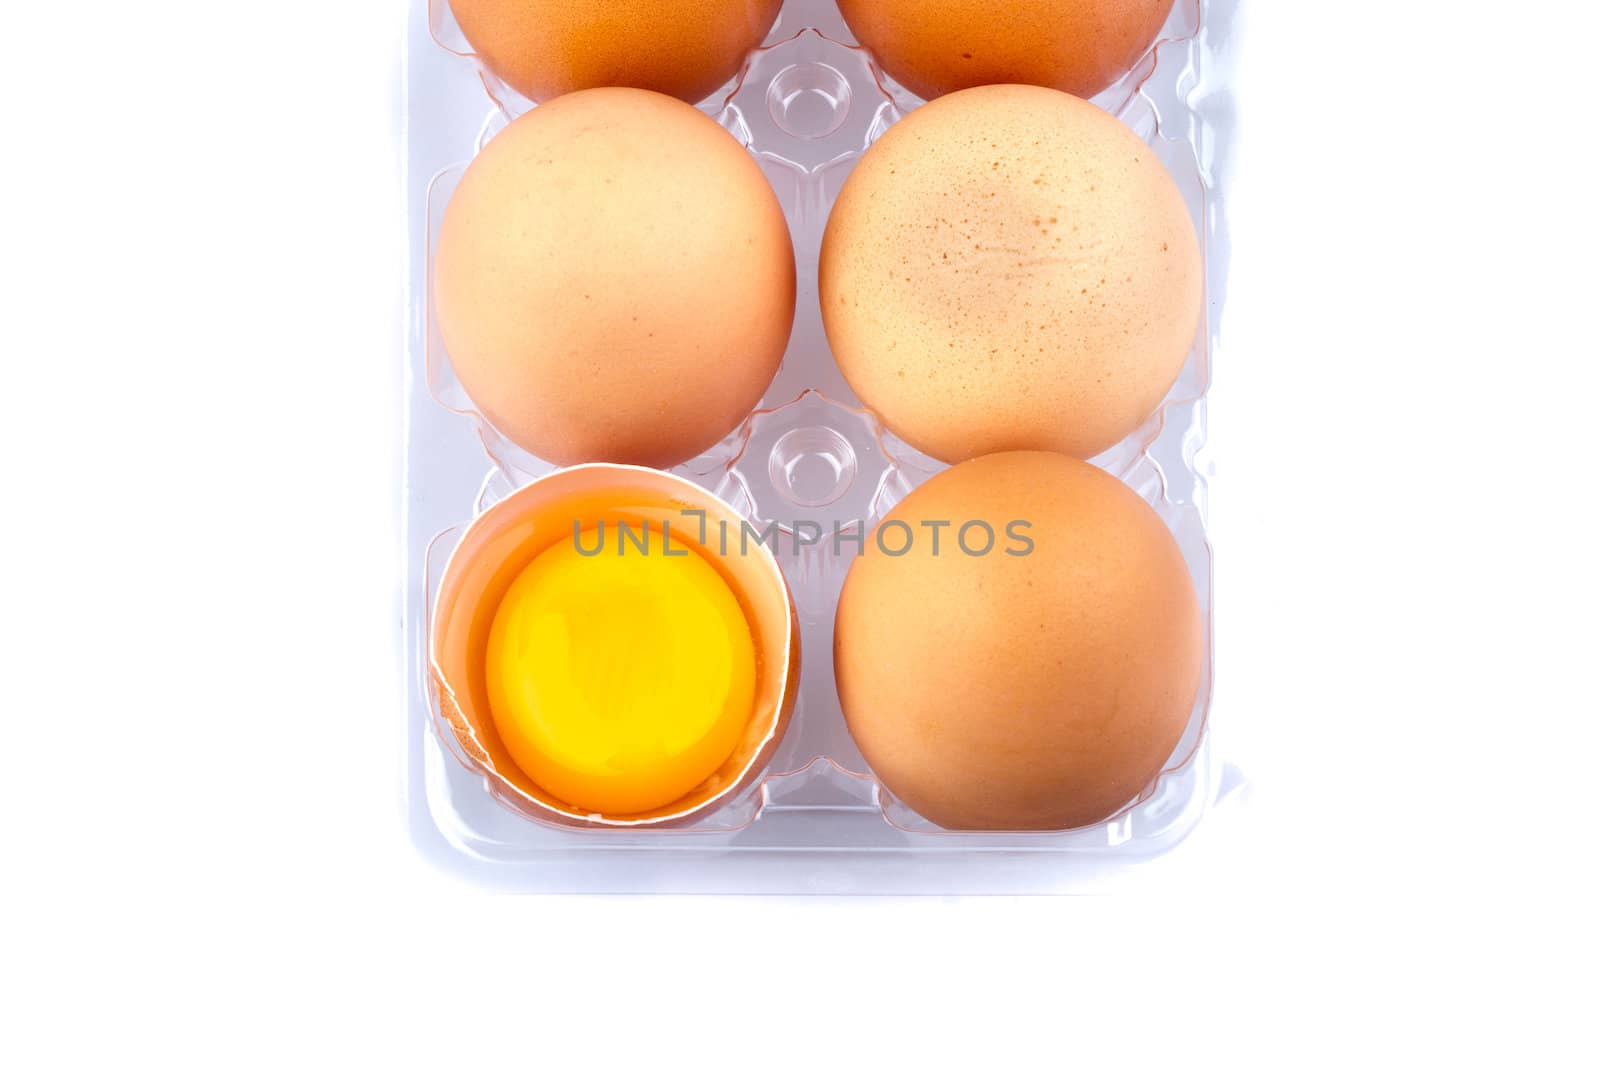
[(816, 467)]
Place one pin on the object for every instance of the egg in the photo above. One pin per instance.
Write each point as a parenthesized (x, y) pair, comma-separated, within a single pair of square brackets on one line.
[(614, 280), (620, 669), (684, 48), (1010, 268), (938, 46), (1020, 646), (602, 655)]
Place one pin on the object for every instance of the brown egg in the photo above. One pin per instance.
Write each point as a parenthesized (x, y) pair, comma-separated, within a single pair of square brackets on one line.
[(614, 280), (938, 46), (495, 552), (684, 48), (1018, 689), (1009, 267)]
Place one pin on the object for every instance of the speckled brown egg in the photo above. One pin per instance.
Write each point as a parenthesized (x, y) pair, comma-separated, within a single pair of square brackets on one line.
[(1009, 267), (938, 46), (614, 280), (684, 48), (1035, 679)]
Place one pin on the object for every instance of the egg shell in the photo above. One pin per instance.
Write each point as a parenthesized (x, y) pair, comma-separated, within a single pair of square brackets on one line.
[(614, 280), (934, 47), (684, 48), (498, 547), (1020, 692), (1011, 268)]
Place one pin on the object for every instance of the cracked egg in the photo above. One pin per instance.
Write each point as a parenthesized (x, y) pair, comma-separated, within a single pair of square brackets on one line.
[(604, 657)]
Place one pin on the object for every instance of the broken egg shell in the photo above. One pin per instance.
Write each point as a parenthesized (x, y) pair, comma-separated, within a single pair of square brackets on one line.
[(503, 540)]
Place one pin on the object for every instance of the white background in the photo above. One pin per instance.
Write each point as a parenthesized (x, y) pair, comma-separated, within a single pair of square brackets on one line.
[(201, 786)]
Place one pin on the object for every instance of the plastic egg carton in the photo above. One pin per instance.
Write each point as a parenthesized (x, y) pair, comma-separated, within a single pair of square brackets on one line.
[(807, 104)]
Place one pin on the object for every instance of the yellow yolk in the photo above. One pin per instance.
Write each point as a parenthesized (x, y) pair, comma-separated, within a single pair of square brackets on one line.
[(620, 681)]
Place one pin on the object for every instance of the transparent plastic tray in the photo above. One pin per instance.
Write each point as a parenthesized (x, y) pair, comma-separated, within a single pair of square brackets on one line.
[(807, 104)]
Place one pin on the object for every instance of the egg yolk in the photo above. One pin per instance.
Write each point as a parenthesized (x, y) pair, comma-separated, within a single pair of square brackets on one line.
[(620, 681)]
